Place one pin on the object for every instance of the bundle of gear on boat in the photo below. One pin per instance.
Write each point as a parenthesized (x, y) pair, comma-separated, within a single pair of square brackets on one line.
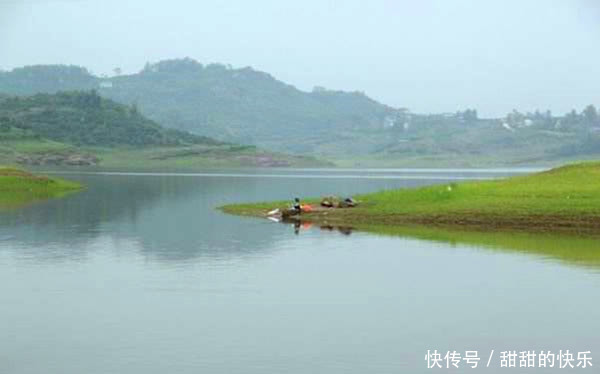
[(328, 202)]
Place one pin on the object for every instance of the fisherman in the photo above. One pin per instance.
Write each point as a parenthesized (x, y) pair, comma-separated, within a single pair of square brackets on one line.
[(297, 207)]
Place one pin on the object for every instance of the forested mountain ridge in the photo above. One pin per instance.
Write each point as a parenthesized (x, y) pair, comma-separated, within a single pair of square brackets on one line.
[(81, 128), (238, 105), (30, 80), (86, 119), (252, 107), (243, 105)]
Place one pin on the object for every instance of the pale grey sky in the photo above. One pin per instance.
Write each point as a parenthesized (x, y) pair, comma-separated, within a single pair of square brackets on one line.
[(429, 56)]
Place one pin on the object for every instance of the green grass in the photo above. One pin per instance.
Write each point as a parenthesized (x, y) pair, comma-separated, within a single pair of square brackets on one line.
[(562, 199), (18, 187)]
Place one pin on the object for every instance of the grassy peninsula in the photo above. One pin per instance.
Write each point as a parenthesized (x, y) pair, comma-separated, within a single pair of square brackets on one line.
[(562, 199), (18, 187)]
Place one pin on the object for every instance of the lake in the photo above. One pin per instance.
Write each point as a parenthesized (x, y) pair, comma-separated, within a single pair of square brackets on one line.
[(140, 273)]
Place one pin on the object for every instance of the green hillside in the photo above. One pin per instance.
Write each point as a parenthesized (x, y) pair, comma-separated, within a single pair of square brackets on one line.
[(80, 128), (244, 105), (463, 139), (31, 80), (251, 107), (85, 118), (237, 105)]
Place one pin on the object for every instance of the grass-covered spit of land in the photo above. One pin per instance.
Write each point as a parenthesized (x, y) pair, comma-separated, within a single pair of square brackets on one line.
[(18, 187), (561, 199)]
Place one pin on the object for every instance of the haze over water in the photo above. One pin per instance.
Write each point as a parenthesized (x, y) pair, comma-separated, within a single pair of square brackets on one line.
[(140, 273)]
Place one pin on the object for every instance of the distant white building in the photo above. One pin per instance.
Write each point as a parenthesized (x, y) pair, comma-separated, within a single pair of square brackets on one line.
[(389, 122), (106, 84), (508, 127)]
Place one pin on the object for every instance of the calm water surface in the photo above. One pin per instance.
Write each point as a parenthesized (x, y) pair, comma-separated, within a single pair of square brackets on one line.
[(140, 274)]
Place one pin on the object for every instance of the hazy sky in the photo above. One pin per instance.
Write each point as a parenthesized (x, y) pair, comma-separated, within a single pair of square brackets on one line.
[(429, 56)]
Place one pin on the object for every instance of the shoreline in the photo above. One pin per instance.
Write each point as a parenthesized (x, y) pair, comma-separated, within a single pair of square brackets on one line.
[(359, 220), (565, 199)]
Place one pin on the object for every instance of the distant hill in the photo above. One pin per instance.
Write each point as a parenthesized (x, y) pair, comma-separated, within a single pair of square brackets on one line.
[(80, 128), (251, 107), (31, 80), (239, 105), (85, 119)]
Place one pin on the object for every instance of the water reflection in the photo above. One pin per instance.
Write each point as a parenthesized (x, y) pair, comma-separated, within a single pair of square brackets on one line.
[(567, 248), (300, 226), (169, 217), (173, 218), (142, 272)]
